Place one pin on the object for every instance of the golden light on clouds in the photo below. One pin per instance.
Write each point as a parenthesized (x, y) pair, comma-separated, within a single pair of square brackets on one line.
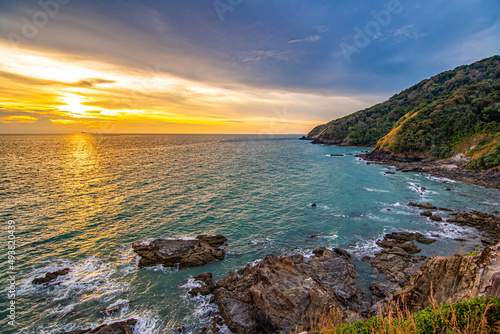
[(58, 92)]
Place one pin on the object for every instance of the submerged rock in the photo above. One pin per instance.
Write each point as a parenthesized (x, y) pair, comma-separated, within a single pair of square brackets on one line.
[(123, 327), (282, 293), (51, 276), (185, 253)]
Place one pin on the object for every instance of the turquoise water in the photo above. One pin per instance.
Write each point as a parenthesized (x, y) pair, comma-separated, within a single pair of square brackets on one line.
[(81, 200)]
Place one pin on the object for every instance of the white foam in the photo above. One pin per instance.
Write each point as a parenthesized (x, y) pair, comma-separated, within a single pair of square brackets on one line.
[(364, 248), (377, 190), (260, 241)]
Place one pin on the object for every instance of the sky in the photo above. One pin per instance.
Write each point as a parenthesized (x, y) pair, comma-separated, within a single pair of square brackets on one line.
[(223, 66)]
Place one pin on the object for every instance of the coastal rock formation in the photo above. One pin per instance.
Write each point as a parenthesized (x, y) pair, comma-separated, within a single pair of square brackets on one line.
[(397, 262), (207, 285), (51, 276), (280, 293), (452, 279), (480, 220), (185, 253), (123, 327)]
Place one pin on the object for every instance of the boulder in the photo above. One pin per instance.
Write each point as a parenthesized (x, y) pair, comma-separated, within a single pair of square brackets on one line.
[(426, 206), (51, 276), (184, 253), (280, 294), (436, 218), (207, 285), (426, 213)]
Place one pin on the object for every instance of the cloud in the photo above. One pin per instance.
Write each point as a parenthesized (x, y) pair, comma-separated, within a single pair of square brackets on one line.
[(256, 55), (89, 83), (322, 29), (408, 32), (309, 39)]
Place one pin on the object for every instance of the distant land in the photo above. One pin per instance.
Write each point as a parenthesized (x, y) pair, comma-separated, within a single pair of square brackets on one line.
[(455, 113)]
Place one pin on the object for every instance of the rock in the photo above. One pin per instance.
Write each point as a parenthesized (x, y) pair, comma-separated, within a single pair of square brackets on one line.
[(393, 263), (445, 209), (389, 173), (313, 205), (207, 285), (451, 280), (282, 293), (123, 327), (51, 276), (480, 220), (337, 155), (342, 252), (185, 253), (366, 258), (487, 242), (382, 290), (426, 206), (425, 240), (426, 213), (410, 247), (423, 188), (447, 189), (315, 235), (436, 218), (368, 163), (403, 236)]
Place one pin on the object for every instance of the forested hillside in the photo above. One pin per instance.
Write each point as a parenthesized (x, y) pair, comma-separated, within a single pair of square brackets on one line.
[(455, 111)]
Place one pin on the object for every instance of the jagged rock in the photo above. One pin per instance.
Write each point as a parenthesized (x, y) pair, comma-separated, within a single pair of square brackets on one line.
[(426, 206), (451, 280), (480, 220), (207, 285), (426, 213), (123, 327), (403, 236), (445, 209), (185, 253), (382, 290), (436, 218), (487, 242), (395, 263), (342, 252), (51, 276), (282, 293), (425, 240)]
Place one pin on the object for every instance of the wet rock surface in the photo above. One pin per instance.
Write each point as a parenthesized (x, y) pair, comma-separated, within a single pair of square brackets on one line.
[(184, 253), (207, 285), (123, 327), (482, 221), (280, 293), (51, 276)]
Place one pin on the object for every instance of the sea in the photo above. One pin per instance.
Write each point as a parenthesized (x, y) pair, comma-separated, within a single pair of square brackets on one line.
[(79, 201)]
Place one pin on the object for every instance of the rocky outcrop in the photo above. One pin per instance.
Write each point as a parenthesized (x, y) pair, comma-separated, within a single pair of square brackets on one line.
[(441, 168), (451, 280), (207, 285), (282, 293), (51, 276), (480, 220), (184, 253), (123, 327)]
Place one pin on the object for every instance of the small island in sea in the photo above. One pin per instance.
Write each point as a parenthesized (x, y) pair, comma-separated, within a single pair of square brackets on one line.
[(162, 169)]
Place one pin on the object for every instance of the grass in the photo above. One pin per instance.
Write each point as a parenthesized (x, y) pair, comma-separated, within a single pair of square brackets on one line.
[(471, 317)]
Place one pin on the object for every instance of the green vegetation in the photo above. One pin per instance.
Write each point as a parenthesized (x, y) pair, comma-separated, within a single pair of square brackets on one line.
[(433, 118), (474, 316)]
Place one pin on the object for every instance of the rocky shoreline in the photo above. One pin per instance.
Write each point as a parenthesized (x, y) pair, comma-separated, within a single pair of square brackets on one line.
[(454, 170)]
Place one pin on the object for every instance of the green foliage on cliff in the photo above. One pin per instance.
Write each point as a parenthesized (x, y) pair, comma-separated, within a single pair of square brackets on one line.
[(474, 316), (451, 106)]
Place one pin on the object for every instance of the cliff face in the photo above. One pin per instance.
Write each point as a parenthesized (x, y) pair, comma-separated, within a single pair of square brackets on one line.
[(451, 280), (450, 113)]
